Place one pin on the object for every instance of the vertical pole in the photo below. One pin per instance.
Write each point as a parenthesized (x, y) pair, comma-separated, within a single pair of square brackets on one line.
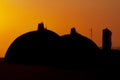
[(91, 33)]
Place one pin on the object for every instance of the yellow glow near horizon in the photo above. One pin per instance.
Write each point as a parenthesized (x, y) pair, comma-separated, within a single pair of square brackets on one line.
[(21, 16)]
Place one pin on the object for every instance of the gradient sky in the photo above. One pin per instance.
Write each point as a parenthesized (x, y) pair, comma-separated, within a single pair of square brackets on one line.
[(21, 16)]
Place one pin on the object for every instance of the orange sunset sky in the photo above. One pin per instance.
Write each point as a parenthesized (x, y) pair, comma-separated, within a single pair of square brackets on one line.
[(21, 16)]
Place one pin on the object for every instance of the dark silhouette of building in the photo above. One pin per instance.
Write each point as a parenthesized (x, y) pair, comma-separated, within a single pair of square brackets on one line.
[(80, 42), (107, 43), (45, 47), (79, 49), (35, 47), (70, 51)]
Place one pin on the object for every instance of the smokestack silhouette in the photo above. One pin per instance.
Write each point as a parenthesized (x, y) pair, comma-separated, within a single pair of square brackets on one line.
[(107, 43)]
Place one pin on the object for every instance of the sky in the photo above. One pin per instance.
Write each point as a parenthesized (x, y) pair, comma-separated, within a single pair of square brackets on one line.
[(20, 16)]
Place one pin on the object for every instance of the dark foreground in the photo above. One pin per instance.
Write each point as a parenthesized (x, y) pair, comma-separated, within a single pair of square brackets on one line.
[(27, 72)]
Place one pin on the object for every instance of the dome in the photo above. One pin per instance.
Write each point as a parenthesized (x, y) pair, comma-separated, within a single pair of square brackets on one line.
[(32, 47), (78, 47), (75, 40)]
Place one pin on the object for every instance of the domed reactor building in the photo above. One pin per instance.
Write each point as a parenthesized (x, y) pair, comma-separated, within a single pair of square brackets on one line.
[(45, 47), (36, 47), (78, 49)]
